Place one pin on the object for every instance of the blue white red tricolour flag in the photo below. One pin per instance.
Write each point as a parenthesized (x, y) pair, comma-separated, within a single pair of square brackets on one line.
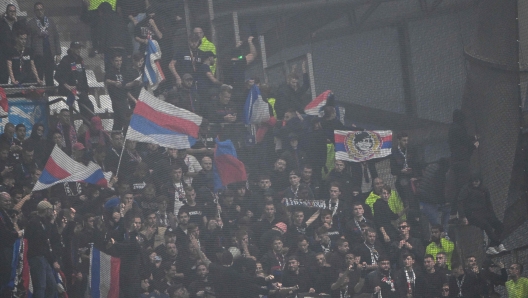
[(227, 168), (103, 279), (256, 110), (157, 122), (359, 146), (153, 74), (316, 105), (62, 168), (19, 284)]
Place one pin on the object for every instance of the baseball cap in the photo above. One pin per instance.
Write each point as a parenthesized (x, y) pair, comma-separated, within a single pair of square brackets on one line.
[(44, 205)]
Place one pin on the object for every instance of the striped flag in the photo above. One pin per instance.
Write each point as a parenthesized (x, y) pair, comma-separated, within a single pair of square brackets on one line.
[(315, 106), (359, 146), (62, 168), (256, 110), (4, 106), (153, 73), (157, 122), (103, 279), (227, 168), (19, 281)]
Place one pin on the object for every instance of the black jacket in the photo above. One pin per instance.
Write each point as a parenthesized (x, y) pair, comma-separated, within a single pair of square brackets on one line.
[(474, 200), (41, 235), (287, 98), (71, 71), (356, 172)]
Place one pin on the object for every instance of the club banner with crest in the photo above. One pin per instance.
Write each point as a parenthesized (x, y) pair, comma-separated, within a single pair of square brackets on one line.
[(358, 146)]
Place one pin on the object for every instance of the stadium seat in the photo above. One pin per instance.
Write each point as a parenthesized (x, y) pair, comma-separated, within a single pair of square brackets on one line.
[(56, 107), (106, 103), (92, 80)]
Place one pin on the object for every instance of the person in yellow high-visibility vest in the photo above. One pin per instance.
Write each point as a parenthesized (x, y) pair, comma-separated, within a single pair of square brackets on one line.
[(206, 46), (395, 203)]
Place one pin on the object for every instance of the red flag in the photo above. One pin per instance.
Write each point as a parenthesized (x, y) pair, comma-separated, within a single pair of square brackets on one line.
[(4, 106)]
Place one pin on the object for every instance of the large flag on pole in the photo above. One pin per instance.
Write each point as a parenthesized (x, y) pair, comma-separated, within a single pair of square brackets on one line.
[(62, 168), (227, 168), (256, 110), (155, 121), (359, 146), (103, 279)]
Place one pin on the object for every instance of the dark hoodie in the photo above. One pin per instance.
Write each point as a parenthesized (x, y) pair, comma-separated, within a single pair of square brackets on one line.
[(460, 142), (472, 200)]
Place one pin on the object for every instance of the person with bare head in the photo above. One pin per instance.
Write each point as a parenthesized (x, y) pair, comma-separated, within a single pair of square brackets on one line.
[(290, 93), (324, 274), (10, 232), (404, 165), (370, 250), (187, 61), (517, 286), (395, 203), (383, 216), (463, 283), (433, 279), (405, 244), (9, 24), (353, 230), (206, 45), (410, 282), (222, 109), (45, 43), (297, 276), (20, 61), (382, 281)]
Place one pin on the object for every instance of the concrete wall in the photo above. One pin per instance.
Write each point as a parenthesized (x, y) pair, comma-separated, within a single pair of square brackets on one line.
[(366, 67)]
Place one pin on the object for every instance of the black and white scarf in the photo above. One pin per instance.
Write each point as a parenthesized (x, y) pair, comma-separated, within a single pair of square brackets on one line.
[(43, 28)]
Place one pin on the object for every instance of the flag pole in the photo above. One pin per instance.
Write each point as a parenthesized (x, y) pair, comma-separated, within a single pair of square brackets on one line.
[(121, 156)]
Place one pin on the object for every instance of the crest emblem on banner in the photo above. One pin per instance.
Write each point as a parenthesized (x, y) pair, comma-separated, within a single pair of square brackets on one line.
[(362, 145)]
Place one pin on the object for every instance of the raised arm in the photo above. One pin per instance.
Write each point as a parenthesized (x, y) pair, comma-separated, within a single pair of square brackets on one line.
[(252, 51)]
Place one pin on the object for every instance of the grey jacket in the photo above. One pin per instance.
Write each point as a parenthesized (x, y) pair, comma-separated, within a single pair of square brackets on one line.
[(35, 41)]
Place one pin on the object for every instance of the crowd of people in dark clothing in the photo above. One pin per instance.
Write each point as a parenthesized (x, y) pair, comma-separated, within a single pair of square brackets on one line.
[(302, 225)]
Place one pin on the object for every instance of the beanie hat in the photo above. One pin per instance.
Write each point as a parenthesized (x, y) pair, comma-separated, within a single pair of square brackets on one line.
[(282, 226)]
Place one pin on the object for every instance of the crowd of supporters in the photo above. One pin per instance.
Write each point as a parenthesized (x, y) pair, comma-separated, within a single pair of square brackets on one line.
[(299, 227)]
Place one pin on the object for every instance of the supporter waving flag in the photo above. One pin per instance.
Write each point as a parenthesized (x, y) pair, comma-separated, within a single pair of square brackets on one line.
[(157, 122), (316, 105), (227, 168), (256, 110), (153, 73), (62, 168)]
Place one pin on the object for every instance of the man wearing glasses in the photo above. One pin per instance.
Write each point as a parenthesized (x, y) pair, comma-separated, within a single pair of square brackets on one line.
[(407, 245)]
